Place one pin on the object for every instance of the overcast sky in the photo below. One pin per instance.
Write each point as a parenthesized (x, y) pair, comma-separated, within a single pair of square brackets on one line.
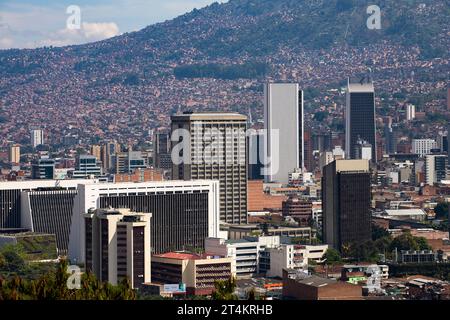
[(37, 23)]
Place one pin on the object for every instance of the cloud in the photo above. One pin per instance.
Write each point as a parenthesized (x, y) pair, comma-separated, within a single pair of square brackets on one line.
[(100, 31), (36, 23), (88, 32), (6, 43)]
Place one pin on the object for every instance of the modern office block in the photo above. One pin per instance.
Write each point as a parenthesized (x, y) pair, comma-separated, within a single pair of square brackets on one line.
[(284, 125), (214, 148), (422, 147), (184, 213), (435, 168), (109, 149), (43, 169), (11, 208), (255, 144), (360, 117), (117, 246), (49, 211), (346, 198), (245, 253), (87, 166), (161, 150)]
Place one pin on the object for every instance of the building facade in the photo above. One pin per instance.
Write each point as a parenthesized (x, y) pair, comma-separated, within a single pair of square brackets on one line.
[(422, 147), (184, 213), (346, 198), (284, 125), (37, 137), (360, 118), (198, 272), (117, 246), (14, 154), (213, 146)]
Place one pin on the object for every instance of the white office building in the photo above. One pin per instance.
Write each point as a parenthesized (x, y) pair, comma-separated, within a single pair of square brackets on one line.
[(422, 147), (298, 257), (284, 124), (184, 213), (246, 252), (37, 137)]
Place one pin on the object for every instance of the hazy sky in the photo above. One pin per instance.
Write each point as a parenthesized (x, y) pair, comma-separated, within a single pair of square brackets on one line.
[(36, 23)]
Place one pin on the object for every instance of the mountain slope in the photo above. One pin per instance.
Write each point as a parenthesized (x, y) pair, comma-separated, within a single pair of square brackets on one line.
[(317, 43)]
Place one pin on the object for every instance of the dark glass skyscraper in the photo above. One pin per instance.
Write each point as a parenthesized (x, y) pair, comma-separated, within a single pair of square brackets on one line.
[(346, 199), (360, 117)]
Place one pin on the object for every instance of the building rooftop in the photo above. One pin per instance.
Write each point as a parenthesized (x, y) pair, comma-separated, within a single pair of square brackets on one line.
[(187, 256), (210, 116), (358, 87), (405, 212), (316, 281)]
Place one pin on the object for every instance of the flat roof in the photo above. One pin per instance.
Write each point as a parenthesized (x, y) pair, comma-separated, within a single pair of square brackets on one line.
[(405, 212), (358, 87), (210, 116)]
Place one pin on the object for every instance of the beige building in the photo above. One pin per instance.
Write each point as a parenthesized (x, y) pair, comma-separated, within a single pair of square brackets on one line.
[(14, 154), (117, 246), (198, 272)]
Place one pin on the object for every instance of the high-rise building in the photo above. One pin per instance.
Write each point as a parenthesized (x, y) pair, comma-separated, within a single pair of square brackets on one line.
[(422, 147), (308, 151), (109, 150), (37, 137), (435, 168), (96, 151), (117, 246), (213, 146), (346, 198), (14, 154), (360, 117), (87, 166), (184, 213), (255, 143), (161, 150), (410, 112), (43, 168), (284, 124)]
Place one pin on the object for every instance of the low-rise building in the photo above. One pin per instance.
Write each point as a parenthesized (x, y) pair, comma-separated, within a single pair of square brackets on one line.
[(246, 252), (306, 287), (197, 272)]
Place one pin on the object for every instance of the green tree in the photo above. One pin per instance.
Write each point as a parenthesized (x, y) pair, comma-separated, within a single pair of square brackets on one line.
[(379, 232), (332, 256), (224, 290), (441, 210), (13, 258), (408, 242)]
